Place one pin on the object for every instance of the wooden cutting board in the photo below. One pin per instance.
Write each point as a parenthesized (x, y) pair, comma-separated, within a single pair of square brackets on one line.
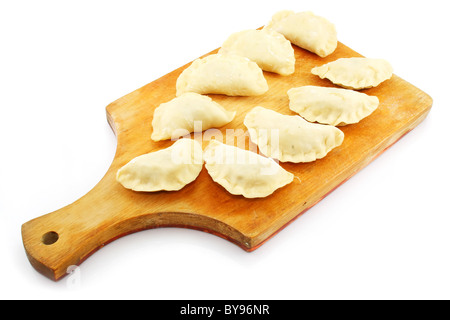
[(68, 236)]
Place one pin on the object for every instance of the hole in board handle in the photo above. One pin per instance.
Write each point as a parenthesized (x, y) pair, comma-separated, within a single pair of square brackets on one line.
[(50, 238)]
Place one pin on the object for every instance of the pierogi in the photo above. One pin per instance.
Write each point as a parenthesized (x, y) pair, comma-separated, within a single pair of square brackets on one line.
[(290, 138), (227, 74), (168, 169), (190, 112), (268, 48), (243, 172), (333, 106)]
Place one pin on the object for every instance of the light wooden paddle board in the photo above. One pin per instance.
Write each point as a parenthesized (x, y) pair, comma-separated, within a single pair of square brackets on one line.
[(68, 236)]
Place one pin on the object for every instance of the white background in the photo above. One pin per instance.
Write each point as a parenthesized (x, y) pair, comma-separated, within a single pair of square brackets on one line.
[(384, 234)]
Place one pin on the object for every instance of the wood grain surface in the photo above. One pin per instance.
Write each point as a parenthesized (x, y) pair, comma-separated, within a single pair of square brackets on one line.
[(66, 237)]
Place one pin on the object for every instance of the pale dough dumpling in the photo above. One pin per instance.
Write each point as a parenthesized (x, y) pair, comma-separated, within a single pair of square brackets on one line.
[(290, 138), (169, 169), (306, 30), (268, 48), (333, 106), (243, 172), (190, 112), (226, 74), (355, 73)]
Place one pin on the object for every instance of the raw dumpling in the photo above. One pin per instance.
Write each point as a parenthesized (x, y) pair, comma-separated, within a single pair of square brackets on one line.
[(226, 74), (355, 73), (243, 172), (190, 112), (333, 106), (168, 169), (268, 48), (290, 138), (306, 30)]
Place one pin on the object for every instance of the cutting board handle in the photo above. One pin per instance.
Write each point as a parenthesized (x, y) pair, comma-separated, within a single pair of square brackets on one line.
[(66, 237), (59, 240)]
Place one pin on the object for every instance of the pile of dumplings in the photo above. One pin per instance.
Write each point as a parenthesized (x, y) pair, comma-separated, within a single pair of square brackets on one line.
[(237, 70)]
